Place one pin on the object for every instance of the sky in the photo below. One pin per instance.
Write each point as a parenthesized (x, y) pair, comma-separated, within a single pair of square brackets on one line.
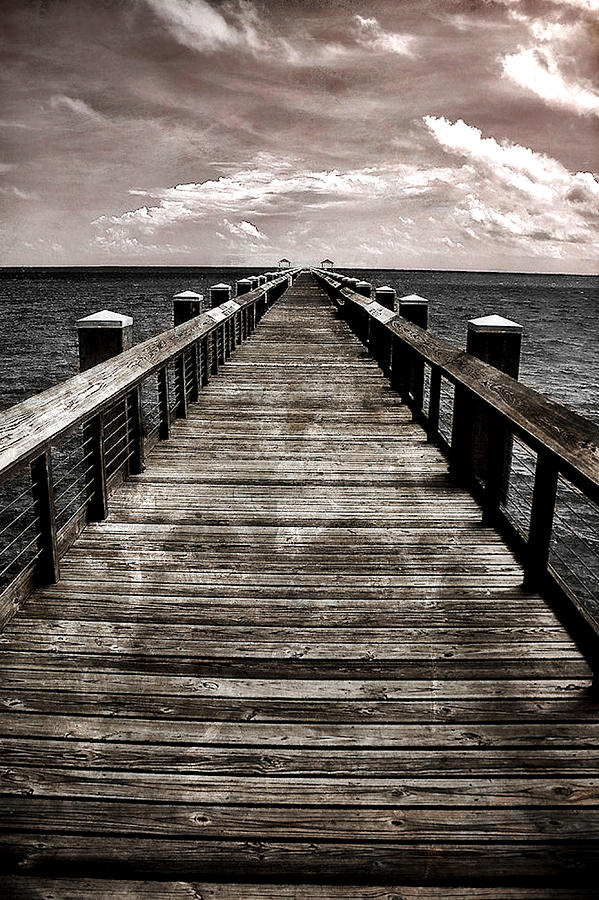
[(453, 134)]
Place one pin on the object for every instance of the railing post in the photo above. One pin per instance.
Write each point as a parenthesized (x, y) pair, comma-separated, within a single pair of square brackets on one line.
[(97, 509), (496, 341), (493, 475), (243, 286), (364, 289), (136, 435), (196, 366), (214, 355), (180, 387), (541, 520), (383, 347), (219, 294), (204, 361), (434, 405), (415, 310), (400, 355), (101, 336), (47, 568), (164, 415), (385, 295), (186, 305)]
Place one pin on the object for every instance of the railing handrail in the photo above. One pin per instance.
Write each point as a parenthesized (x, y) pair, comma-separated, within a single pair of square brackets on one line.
[(33, 424), (541, 422)]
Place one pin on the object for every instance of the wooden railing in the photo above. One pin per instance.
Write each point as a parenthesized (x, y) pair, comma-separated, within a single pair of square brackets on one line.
[(64, 450), (539, 482)]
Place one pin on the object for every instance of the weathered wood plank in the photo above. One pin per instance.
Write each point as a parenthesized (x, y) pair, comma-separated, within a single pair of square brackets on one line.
[(436, 689), (187, 706), (352, 762), (87, 728), (24, 888), (501, 863), (59, 814), (372, 792)]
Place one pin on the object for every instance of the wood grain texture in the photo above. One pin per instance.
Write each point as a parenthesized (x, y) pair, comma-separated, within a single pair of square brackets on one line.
[(293, 656), (107, 889)]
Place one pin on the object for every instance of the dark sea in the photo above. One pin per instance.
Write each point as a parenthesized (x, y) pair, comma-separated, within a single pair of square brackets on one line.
[(560, 315)]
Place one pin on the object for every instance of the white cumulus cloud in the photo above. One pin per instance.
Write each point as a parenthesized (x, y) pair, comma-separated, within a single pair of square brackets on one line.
[(370, 34), (245, 230), (196, 24), (536, 69), (270, 187), (513, 191)]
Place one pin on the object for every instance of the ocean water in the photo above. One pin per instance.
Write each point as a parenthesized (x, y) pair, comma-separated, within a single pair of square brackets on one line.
[(560, 315)]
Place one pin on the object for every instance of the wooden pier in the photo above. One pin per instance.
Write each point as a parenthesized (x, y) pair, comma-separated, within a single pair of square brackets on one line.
[(291, 662)]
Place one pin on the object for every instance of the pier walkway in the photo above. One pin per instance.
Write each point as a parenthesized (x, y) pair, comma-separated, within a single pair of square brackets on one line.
[(292, 654)]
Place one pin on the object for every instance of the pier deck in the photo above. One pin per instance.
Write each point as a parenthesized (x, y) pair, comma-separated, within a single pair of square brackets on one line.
[(293, 654)]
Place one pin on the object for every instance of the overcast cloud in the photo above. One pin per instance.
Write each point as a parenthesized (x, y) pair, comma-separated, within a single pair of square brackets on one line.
[(428, 133)]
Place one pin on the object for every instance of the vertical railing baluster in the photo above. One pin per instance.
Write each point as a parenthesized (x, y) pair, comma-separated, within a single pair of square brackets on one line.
[(214, 352), (205, 361), (405, 368), (394, 376), (415, 310), (164, 414), (47, 568), (541, 520), (434, 405), (494, 474), (93, 432), (194, 386), (136, 432), (180, 387)]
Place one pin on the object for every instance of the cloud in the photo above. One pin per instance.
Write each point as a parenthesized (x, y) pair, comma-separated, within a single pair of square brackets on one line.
[(238, 25), (549, 66), (585, 6), (513, 191), (246, 230), (197, 25), (370, 34), (271, 187), (536, 70), (79, 107)]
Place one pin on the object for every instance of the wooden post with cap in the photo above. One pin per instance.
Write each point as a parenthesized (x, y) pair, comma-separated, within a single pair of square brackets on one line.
[(497, 341)]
